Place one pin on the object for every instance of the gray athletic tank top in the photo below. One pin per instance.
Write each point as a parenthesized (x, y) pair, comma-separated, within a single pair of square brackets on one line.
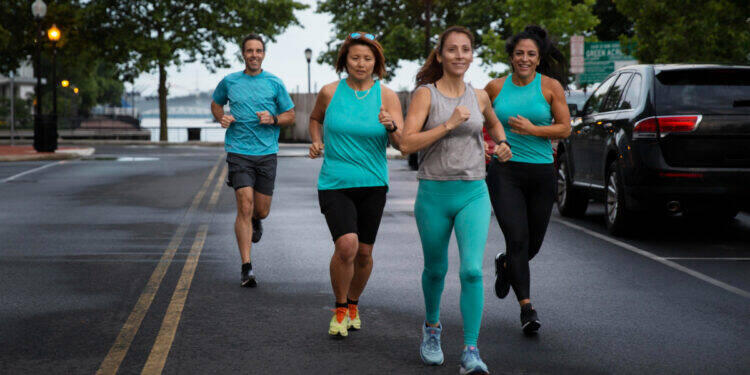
[(460, 154)]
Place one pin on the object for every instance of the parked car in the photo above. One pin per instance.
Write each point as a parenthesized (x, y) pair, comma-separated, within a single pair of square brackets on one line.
[(669, 138)]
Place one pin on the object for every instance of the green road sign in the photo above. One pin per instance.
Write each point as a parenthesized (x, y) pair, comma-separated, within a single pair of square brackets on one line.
[(599, 59)]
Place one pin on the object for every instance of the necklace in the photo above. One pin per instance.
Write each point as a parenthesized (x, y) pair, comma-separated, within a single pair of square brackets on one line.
[(363, 96)]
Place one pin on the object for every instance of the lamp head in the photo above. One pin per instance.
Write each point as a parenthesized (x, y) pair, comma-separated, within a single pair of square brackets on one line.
[(39, 9), (53, 33), (308, 54)]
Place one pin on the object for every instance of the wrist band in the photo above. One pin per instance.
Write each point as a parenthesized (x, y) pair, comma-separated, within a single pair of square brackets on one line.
[(275, 120), (393, 129)]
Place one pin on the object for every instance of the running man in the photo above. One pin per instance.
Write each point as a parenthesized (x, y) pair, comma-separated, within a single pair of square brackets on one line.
[(260, 105)]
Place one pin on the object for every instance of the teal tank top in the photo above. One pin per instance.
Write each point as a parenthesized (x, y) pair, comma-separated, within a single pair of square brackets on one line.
[(354, 139), (527, 101)]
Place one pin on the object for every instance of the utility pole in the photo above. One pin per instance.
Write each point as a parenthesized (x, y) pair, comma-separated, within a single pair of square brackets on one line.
[(12, 110)]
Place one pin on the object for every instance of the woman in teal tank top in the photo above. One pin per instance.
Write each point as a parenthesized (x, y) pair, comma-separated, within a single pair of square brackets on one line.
[(358, 116), (530, 102)]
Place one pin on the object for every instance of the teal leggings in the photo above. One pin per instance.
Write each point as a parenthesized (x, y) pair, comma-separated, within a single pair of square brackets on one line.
[(440, 206)]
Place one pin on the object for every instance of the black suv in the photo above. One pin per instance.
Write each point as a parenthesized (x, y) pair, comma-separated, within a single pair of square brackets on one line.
[(670, 138)]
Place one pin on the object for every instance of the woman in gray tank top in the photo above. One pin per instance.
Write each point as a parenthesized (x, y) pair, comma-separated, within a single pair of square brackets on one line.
[(444, 124)]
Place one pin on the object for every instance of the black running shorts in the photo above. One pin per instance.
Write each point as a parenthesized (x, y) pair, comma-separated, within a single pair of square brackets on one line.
[(353, 210), (258, 172)]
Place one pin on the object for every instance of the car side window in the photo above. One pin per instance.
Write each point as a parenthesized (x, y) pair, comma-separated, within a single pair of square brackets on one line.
[(633, 94), (596, 99), (615, 93)]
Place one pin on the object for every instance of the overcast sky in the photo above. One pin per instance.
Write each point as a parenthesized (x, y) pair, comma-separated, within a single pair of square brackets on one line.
[(285, 58)]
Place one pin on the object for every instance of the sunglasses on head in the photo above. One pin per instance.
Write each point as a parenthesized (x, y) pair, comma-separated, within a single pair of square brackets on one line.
[(358, 35)]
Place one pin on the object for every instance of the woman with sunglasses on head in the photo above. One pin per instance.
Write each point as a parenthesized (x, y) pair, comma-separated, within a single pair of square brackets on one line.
[(444, 124), (531, 103), (357, 116)]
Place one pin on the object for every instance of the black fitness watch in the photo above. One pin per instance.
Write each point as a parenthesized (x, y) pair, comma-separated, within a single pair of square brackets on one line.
[(501, 142), (393, 129), (275, 120)]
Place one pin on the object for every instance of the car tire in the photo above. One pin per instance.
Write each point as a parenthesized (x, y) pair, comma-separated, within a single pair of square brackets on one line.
[(571, 202), (616, 214)]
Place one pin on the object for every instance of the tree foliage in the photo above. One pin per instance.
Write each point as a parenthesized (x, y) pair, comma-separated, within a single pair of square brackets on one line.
[(695, 31), (80, 59), (402, 29), (561, 19), (151, 35)]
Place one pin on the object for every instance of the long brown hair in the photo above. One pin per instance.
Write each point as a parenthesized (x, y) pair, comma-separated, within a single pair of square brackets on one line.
[(432, 70)]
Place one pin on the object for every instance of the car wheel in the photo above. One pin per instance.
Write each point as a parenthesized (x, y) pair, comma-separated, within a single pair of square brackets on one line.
[(571, 202), (617, 216)]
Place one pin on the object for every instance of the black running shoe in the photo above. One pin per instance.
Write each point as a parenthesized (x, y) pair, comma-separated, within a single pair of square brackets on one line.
[(257, 229), (502, 283), (529, 320), (248, 276)]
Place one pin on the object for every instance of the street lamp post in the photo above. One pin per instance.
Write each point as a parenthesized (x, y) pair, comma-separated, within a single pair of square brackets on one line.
[(308, 56), (38, 9), (54, 36)]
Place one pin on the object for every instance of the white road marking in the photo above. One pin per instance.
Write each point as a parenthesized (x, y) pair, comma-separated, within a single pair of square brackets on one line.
[(712, 259), (657, 258), (11, 178)]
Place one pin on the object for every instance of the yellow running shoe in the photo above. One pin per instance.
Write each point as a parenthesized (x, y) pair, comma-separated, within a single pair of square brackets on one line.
[(339, 322), (354, 322)]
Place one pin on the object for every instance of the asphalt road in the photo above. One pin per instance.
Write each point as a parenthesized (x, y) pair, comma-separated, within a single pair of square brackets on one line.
[(126, 261)]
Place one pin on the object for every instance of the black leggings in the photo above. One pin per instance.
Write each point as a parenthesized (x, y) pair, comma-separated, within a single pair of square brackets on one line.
[(522, 195)]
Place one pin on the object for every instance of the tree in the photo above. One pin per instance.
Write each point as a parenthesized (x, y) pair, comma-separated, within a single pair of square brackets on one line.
[(402, 28), (696, 31), (613, 24), (561, 19), (407, 29), (151, 35), (80, 58)]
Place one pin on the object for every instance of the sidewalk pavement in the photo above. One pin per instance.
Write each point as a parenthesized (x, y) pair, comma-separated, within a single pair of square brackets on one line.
[(27, 152)]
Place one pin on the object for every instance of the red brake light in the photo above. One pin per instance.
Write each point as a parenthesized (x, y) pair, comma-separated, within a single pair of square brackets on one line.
[(674, 124), (649, 127)]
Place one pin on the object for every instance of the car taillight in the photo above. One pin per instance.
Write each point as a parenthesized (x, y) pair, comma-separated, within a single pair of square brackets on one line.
[(645, 128), (663, 125)]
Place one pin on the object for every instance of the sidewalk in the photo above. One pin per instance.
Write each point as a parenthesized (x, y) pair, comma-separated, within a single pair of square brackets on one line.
[(27, 152)]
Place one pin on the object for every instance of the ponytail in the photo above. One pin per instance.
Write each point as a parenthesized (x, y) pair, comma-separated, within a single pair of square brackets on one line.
[(432, 70), (552, 62)]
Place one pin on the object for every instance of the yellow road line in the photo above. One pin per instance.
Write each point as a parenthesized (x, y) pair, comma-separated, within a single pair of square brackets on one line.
[(119, 349), (159, 352)]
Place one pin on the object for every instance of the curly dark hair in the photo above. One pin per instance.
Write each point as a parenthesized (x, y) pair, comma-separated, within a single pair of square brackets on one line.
[(552, 62)]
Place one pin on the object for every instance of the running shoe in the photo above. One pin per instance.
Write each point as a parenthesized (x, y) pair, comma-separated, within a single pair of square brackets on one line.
[(502, 282), (471, 363), (257, 229), (529, 320), (339, 321), (430, 350), (354, 322), (248, 276)]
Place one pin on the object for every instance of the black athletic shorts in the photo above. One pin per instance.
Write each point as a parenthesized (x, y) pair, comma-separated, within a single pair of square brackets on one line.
[(258, 172), (353, 210)]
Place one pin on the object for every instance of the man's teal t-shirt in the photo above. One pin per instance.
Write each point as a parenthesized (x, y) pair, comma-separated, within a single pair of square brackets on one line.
[(247, 95)]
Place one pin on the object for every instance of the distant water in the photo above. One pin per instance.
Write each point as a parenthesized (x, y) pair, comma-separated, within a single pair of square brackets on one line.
[(177, 128)]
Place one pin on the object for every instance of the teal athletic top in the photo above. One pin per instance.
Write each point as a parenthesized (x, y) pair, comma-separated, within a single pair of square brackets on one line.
[(527, 101), (247, 95), (354, 140)]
